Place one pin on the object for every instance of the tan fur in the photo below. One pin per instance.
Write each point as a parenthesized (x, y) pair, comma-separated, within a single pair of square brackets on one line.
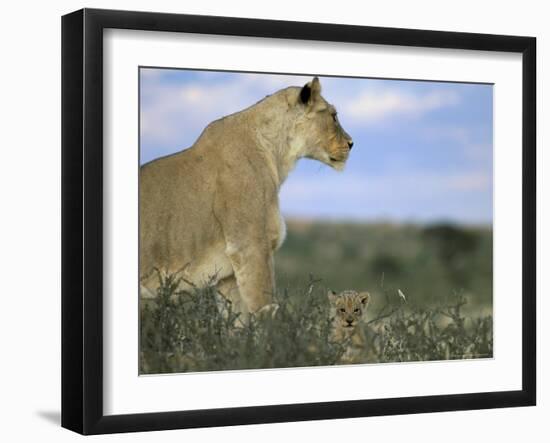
[(212, 211), (348, 311)]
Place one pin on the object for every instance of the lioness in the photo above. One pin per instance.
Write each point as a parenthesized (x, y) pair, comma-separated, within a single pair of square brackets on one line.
[(211, 211)]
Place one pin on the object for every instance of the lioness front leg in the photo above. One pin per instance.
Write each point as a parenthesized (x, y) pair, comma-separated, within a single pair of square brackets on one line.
[(229, 291), (253, 268), (242, 209)]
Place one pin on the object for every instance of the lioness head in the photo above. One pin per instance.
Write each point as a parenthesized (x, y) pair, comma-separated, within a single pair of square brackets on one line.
[(322, 136), (348, 308)]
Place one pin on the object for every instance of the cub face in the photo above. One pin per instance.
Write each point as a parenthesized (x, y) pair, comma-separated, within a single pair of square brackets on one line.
[(348, 308)]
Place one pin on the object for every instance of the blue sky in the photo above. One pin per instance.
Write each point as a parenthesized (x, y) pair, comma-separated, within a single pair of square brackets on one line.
[(422, 150)]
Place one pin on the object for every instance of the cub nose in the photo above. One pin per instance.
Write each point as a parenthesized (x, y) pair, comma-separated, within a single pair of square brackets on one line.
[(349, 320), (350, 144)]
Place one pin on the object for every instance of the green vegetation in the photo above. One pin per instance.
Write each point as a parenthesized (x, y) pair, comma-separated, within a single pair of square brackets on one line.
[(444, 271), (427, 263)]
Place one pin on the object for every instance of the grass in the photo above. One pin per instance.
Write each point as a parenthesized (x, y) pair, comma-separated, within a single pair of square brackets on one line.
[(427, 262), (195, 331)]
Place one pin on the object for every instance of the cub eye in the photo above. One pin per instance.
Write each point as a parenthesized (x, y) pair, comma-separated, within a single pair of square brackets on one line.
[(357, 310), (342, 310), (334, 116)]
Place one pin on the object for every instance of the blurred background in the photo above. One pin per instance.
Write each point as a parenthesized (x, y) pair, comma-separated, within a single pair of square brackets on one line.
[(413, 208)]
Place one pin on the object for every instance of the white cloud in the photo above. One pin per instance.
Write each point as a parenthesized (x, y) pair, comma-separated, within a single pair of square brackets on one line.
[(372, 106), (473, 181), (150, 73), (457, 134), (480, 153)]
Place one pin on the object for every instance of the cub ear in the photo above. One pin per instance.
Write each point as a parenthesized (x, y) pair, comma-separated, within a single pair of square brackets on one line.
[(365, 298), (311, 91), (331, 295)]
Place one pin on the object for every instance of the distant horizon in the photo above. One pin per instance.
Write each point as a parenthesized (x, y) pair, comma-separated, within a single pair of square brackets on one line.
[(423, 151), (293, 219)]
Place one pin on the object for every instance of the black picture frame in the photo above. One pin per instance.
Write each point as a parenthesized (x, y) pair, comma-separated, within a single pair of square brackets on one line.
[(82, 219)]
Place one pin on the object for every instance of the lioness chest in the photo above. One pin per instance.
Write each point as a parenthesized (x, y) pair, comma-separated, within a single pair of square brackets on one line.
[(278, 230), (214, 263)]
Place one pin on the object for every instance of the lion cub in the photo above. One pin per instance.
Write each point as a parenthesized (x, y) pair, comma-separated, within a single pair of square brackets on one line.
[(348, 311)]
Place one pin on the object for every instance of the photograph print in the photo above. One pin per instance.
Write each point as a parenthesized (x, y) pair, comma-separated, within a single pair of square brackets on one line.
[(307, 220)]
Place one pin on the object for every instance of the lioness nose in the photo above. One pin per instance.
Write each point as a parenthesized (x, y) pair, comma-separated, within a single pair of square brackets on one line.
[(350, 144)]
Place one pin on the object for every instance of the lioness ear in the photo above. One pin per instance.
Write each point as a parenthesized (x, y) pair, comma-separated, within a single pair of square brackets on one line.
[(311, 91), (365, 298)]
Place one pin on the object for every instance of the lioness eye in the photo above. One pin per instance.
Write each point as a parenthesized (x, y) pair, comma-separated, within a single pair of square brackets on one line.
[(334, 116)]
